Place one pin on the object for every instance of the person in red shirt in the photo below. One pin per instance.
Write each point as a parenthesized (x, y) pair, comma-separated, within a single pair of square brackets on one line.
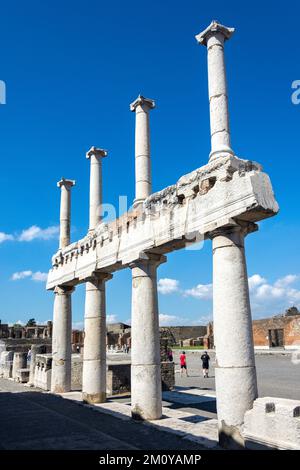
[(182, 359)]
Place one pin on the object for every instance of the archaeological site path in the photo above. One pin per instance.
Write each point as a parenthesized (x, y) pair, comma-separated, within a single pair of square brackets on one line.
[(33, 420)]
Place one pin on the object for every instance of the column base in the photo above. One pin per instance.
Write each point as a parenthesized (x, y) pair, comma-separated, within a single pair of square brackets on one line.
[(94, 397), (236, 391), (230, 437), (221, 153), (58, 389)]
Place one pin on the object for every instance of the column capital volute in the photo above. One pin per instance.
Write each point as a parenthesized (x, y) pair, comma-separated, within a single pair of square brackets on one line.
[(142, 101), (97, 152), (212, 30), (65, 182)]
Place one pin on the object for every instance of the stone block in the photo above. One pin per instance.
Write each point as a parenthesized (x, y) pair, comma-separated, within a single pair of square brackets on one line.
[(22, 375), (118, 378), (273, 423), (167, 375)]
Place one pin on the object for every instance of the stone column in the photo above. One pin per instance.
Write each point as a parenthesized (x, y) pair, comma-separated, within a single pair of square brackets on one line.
[(145, 340), (61, 340), (143, 186), (95, 155), (236, 386), (94, 352), (214, 37), (65, 211), (19, 362)]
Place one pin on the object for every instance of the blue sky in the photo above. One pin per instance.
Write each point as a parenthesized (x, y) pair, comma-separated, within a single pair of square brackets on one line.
[(72, 68)]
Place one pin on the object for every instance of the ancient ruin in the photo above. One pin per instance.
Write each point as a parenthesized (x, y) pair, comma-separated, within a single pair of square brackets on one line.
[(222, 201)]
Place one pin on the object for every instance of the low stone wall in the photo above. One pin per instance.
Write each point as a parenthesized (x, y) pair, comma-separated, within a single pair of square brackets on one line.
[(42, 373), (273, 423), (167, 375), (24, 344), (22, 375), (6, 364), (118, 378), (76, 372)]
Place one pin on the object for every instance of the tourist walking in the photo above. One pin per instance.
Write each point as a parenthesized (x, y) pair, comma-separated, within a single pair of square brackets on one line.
[(183, 366), (205, 364)]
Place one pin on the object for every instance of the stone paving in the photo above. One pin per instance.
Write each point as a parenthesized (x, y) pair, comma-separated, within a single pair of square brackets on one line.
[(193, 424), (34, 420)]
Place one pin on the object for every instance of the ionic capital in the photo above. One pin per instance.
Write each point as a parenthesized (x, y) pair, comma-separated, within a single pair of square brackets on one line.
[(144, 102), (97, 152), (213, 29), (65, 182)]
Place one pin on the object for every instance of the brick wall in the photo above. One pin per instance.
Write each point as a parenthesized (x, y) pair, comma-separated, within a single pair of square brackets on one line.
[(289, 324)]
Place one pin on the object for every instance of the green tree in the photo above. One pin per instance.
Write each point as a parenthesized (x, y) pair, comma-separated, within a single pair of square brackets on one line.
[(31, 322)]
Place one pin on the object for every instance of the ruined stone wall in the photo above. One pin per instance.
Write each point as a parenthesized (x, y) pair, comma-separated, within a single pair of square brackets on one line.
[(289, 324), (23, 344), (167, 375), (181, 333), (118, 378)]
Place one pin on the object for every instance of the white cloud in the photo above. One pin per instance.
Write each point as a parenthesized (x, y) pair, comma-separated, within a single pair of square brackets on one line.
[(32, 233), (21, 275), (36, 233), (201, 291), (37, 276), (112, 318), (286, 280), (167, 286), (169, 320), (5, 236), (255, 280), (273, 298), (267, 298)]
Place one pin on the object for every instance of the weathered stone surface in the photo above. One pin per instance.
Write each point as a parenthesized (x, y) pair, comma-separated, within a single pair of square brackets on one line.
[(19, 362), (222, 200), (167, 375), (22, 375), (169, 219), (6, 364), (273, 423), (118, 378), (42, 373)]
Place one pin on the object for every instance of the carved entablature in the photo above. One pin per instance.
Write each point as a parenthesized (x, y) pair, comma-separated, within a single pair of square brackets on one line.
[(216, 195)]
